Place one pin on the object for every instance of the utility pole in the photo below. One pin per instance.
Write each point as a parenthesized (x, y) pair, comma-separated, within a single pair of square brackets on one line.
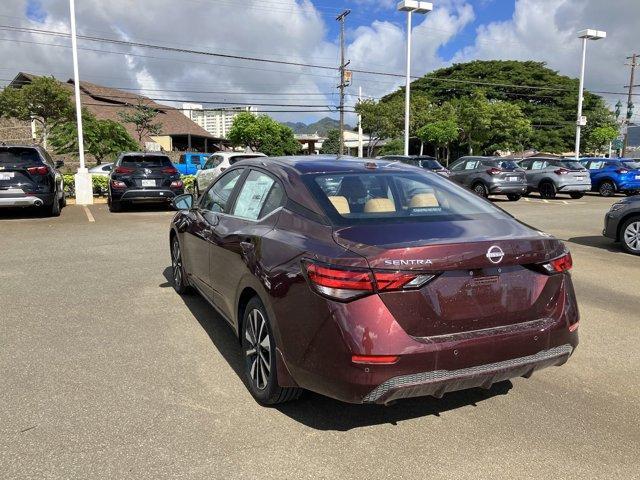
[(342, 85), (633, 65), (360, 142)]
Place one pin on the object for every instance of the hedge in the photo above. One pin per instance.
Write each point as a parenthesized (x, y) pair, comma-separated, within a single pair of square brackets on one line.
[(101, 184)]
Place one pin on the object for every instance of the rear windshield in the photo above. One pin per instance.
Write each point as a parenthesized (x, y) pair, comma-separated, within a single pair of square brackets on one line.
[(19, 155), (237, 158), (432, 164), (362, 197), (146, 161), (631, 164)]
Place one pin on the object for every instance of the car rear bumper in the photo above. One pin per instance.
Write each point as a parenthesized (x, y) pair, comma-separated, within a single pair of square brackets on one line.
[(576, 187), (611, 222), (437, 383), (25, 200), (629, 186), (519, 188), (148, 195)]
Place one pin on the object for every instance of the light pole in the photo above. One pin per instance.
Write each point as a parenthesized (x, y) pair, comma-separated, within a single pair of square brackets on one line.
[(410, 6), (84, 187), (581, 121)]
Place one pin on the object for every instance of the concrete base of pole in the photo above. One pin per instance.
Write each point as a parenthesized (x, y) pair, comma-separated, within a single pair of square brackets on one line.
[(84, 187)]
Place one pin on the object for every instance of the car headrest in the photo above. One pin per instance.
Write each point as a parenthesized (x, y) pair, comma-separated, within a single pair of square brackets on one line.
[(423, 200), (379, 205), (340, 204)]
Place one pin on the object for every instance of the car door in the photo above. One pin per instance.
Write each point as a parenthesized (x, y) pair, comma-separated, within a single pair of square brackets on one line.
[(236, 239), (199, 233), (596, 171), (457, 171)]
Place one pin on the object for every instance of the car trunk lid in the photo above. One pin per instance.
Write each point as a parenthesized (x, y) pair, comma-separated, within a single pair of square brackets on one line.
[(483, 277)]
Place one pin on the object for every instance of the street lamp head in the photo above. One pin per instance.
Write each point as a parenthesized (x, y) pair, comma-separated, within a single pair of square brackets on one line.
[(590, 34), (414, 6)]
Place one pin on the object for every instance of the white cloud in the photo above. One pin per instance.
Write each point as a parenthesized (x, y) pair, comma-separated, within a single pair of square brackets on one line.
[(545, 30)]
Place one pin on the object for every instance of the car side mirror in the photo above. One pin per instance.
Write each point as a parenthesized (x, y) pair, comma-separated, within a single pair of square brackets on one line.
[(59, 163), (183, 202)]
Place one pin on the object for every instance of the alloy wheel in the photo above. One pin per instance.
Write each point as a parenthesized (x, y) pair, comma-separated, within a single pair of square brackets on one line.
[(176, 263), (480, 190), (607, 189), (258, 353), (632, 236)]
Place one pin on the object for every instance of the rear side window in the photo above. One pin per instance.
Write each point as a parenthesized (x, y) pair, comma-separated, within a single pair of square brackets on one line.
[(362, 197), (19, 156), (182, 160), (148, 161), (253, 196), (632, 165), (217, 197)]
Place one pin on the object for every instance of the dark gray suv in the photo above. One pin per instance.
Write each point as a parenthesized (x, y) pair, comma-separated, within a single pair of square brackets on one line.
[(490, 176), (622, 224)]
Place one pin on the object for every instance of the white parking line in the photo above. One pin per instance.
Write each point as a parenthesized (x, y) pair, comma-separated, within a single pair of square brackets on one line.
[(89, 214)]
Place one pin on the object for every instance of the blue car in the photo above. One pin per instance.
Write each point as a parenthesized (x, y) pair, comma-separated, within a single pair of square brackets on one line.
[(190, 163), (611, 175)]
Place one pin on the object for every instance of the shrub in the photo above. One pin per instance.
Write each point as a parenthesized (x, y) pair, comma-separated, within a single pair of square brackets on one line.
[(100, 184), (189, 183)]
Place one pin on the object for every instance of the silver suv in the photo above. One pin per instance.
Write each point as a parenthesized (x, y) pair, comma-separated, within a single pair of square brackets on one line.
[(490, 176), (551, 176)]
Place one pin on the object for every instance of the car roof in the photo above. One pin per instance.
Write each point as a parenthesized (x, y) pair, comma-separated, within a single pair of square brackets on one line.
[(325, 164), (239, 154), (144, 154)]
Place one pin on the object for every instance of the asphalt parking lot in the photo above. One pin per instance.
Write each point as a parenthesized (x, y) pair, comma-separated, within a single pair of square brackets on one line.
[(105, 372)]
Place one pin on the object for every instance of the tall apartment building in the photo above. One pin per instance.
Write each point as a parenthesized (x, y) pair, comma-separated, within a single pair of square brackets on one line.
[(216, 122)]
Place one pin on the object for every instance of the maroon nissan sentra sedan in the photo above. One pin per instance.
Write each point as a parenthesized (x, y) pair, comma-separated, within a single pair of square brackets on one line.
[(370, 281)]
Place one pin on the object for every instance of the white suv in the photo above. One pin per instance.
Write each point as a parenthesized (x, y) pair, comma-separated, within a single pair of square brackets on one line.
[(218, 163)]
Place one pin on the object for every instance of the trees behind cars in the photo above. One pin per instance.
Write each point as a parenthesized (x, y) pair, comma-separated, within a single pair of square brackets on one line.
[(43, 100), (262, 133), (104, 139)]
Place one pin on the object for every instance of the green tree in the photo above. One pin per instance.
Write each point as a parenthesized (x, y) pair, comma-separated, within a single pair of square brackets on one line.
[(600, 137), (550, 105), (509, 129), (392, 147), (142, 118), (102, 138), (44, 100), (379, 121), (262, 133), (440, 133), (332, 144), (474, 120)]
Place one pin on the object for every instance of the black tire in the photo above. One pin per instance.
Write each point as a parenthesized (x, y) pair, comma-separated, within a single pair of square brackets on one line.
[(576, 195), (547, 190), (53, 210), (63, 200), (607, 188), (513, 197), (630, 240), (114, 206), (180, 283), (258, 352), (480, 190)]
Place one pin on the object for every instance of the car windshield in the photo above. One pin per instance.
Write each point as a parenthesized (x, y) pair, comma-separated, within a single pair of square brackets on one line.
[(432, 164), (378, 196), (147, 161), (18, 155), (237, 158), (571, 164), (506, 164), (634, 164)]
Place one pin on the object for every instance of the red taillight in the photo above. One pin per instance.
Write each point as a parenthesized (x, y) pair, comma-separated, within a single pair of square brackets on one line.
[(177, 184), (375, 359), (348, 284), (338, 283), (561, 171), (560, 264), (622, 171), (392, 280), (169, 170), (494, 171), (124, 170), (38, 170), (118, 185)]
